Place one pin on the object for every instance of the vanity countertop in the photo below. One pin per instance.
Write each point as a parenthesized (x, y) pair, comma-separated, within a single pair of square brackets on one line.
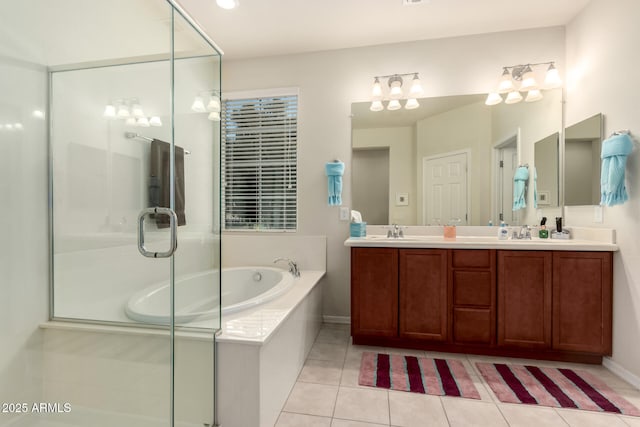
[(584, 239)]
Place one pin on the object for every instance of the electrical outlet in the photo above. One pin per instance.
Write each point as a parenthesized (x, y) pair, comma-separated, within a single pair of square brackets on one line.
[(345, 213)]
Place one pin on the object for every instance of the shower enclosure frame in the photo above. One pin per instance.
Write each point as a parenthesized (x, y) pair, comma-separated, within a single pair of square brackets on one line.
[(176, 11)]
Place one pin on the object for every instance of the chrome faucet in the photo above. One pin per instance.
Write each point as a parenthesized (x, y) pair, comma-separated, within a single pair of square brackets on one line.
[(293, 266), (523, 234), (395, 232)]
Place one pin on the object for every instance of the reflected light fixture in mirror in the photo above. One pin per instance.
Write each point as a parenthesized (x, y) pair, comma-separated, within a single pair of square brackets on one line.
[(522, 78), (395, 92)]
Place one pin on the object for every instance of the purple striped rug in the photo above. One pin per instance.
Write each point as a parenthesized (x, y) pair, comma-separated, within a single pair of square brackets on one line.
[(566, 388), (416, 374)]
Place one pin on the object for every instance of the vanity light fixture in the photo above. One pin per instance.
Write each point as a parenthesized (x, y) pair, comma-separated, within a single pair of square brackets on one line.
[(395, 93), (522, 78), (213, 106), (130, 110)]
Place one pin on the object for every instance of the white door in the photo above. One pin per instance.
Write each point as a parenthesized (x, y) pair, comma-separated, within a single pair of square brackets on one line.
[(445, 189)]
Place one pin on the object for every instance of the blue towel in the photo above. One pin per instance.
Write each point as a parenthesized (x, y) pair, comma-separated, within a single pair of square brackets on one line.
[(614, 157), (334, 171), (519, 188)]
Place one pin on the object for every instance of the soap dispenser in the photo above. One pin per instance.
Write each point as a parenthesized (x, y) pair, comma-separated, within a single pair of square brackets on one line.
[(543, 233), (503, 232)]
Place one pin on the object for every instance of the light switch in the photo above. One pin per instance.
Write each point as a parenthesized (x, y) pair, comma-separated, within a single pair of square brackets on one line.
[(345, 213), (597, 214)]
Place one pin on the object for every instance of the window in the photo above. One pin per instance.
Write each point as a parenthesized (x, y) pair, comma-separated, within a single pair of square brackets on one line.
[(259, 163)]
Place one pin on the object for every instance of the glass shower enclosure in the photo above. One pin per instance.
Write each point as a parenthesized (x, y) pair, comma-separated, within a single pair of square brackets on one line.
[(133, 90)]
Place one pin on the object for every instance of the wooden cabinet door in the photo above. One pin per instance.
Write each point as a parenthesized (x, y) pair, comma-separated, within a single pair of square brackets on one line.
[(582, 306), (374, 292), (524, 299), (423, 294)]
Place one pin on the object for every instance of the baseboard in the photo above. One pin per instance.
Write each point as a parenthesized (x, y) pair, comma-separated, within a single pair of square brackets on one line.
[(343, 320), (623, 373)]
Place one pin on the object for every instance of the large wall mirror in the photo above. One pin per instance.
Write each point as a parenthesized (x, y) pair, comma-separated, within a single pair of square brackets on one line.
[(453, 158), (582, 145)]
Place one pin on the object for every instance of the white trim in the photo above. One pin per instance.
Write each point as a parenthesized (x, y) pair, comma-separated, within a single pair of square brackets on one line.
[(343, 320), (622, 372), (262, 93), (495, 176)]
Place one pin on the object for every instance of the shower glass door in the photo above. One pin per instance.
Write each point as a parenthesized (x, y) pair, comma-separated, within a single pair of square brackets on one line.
[(128, 151)]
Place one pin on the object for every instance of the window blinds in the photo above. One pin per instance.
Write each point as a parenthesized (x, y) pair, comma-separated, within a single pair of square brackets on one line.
[(259, 163)]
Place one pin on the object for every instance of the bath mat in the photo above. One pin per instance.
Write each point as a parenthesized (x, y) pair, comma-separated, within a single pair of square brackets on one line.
[(416, 374), (557, 387)]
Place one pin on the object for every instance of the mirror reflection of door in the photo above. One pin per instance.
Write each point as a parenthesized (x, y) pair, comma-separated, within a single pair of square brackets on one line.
[(445, 189), (370, 184)]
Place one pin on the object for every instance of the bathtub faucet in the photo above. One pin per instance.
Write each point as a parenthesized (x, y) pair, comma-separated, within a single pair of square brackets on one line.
[(293, 266)]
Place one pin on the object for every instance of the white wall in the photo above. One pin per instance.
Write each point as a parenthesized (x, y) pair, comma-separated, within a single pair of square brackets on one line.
[(330, 81), (602, 60)]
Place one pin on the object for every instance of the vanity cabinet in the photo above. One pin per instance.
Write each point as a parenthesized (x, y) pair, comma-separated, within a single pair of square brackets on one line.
[(582, 301), (539, 303), (524, 299), (374, 292), (423, 294)]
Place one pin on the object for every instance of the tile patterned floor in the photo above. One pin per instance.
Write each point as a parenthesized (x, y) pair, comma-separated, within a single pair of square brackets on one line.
[(327, 394)]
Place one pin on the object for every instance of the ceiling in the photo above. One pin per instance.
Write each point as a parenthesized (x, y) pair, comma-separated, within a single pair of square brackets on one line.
[(260, 28)]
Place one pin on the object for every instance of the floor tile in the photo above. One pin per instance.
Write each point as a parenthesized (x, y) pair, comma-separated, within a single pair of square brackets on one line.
[(531, 416), (349, 423), (333, 336), (328, 351), (321, 372), (312, 399), (359, 404), (631, 421), (288, 419), (416, 410), (472, 413), (577, 418)]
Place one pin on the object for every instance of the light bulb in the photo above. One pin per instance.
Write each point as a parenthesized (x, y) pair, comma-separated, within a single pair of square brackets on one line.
[(8, 126), (109, 112), (130, 121), (376, 106), (228, 4), (411, 104), (214, 104), (416, 87), (123, 111), (376, 90), (395, 86), (214, 116), (17, 126), (513, 97), (493, 98), (155, 121), (198, 105), (528, 80), (552, 79), (506, 83), (38, 114), (394, 104), (136, 111), (533, 95), (143, 122)]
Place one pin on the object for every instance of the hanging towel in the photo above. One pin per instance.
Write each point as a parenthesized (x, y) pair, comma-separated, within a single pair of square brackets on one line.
[(334, 172), (614, 157), (159, 181), (535, 188), (519, 188)]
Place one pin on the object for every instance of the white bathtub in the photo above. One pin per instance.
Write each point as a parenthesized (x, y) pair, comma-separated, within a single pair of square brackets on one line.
[(196, 296)]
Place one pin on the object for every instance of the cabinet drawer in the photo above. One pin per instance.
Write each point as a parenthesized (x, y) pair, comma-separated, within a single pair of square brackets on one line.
[(471, 325), (472, 288), (471, 258)]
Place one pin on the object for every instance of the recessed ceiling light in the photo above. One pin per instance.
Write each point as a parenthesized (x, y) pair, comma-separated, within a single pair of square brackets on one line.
[(413, 2), (227, 4)]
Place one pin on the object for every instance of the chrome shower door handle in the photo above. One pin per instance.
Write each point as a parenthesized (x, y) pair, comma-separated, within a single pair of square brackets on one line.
[(173, 222)]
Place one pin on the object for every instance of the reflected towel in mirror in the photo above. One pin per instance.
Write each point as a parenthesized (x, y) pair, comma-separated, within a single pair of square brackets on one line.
[(615, 150), (334, 172), (520, 188), (159, 181)]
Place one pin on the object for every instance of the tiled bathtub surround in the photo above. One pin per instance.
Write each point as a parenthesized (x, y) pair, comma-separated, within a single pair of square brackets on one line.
[(327, 394)]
